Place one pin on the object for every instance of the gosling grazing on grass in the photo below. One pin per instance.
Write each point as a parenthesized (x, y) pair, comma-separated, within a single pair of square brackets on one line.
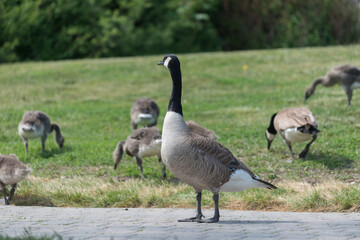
[(146, 142), (347, 76), (143, 142), (36, 124), (293, 125), (199, 161), (144, 112), (12, 171)]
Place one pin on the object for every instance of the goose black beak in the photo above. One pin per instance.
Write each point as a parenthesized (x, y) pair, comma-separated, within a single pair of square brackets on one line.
[(115, 166), (161, 63)]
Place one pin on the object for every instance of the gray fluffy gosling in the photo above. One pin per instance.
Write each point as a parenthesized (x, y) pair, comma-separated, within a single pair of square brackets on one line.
[(293, 125), (143, 142), (198, 161), (12, 171), (347, 76), (36, 124), (146, 142), (144, 112)]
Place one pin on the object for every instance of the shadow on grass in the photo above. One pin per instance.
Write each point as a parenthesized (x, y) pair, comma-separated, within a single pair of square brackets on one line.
[(331, 161), (33, 200), (55, 151)]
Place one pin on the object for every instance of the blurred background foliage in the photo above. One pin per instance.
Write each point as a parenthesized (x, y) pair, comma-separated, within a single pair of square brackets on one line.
[(70, 29)]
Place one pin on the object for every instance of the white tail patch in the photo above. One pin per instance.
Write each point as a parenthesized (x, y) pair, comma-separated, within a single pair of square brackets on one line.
[(239, 181)]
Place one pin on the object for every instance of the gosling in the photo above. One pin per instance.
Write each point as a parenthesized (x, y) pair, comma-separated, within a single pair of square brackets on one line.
[(144, 112), (12, 171), (36, 124)]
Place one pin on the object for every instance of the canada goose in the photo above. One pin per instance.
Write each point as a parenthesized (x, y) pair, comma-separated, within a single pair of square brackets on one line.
[(142, 142), (293, 125), (146, 142), (12, 171), (199, 161), (36, 124), (347, 76), (144, 112)]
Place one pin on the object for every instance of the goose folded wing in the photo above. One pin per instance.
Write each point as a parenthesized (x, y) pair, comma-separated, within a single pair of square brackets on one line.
[(297, 118), (219, 153)]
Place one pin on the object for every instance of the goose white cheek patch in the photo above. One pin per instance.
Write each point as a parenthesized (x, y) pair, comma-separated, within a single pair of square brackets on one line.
[(166, 63)]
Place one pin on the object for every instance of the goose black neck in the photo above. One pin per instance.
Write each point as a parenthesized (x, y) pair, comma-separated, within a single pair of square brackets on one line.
[(271, 129), (175, 99)]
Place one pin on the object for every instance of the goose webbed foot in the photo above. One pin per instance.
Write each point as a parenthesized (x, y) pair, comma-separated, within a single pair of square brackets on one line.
[(210, 220), (197, 218)]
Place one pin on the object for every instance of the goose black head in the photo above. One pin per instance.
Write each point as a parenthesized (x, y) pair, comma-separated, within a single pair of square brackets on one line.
[(169, 61)]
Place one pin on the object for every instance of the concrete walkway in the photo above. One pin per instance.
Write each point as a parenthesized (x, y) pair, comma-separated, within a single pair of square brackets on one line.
[(138, 223)]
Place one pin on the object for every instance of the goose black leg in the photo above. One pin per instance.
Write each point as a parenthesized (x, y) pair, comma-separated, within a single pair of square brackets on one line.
[(4, 194), (291, 152), (43, 140), (217, 214), (163, 173), (306, 149), (12, 191), (199, 215), (139, 163), (349, 93)]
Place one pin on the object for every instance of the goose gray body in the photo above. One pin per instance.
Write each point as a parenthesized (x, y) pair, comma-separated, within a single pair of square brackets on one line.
[(12, 171), (144, 112), (345, 75), (293, 125), (36, 124), (196, 160)]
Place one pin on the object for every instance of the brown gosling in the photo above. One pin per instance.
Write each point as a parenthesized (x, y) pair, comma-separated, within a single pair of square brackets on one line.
[(144, 112), (347, 76), (293, 125), (12, 171), (142, 142), (36, 124), (198, 161), (146, 142)]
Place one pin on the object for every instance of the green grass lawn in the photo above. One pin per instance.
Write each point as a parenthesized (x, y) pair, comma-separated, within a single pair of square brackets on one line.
[(233, 93)]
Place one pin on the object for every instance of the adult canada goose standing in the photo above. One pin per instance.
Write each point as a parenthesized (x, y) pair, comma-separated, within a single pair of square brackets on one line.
[(143, 142), (12, 171), (146, 142), (293, 125), (36, 124), (144, 112), (199, 161), (347, 76)]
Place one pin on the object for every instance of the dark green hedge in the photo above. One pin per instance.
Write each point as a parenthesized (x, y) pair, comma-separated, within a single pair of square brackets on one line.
[(63, 29)]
